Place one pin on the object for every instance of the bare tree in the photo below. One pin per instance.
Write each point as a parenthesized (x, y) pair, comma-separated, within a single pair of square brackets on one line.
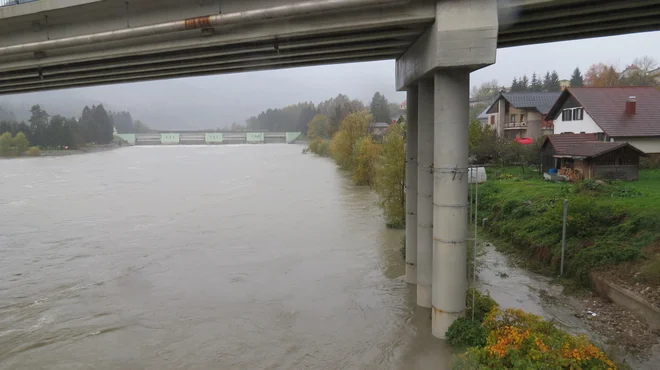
[(646, 63)]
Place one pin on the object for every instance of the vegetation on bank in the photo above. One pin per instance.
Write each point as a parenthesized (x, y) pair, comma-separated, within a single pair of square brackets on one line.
[(609, 223), (506, 339), (378, 165), (43, 131)]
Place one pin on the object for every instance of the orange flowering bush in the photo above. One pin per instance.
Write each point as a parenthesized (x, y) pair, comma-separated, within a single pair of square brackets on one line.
[(524, 341)]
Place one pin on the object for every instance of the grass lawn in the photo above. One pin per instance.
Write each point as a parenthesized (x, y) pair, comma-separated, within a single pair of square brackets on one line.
[(609, 223)]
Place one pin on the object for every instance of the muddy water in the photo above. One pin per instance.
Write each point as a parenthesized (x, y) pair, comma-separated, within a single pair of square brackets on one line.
[(225, 257)]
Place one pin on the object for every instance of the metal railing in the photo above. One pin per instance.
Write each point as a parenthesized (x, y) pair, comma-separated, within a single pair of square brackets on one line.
[(14, 2)]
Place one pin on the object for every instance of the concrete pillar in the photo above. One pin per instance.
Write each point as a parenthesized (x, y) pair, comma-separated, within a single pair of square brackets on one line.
[(411, 187), (450, 196), (425, 192)]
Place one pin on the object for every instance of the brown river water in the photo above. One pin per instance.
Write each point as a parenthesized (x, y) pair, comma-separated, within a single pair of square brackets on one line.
[(218, 257)]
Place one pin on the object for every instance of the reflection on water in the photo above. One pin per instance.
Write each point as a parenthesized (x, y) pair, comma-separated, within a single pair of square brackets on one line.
[(220, 257)]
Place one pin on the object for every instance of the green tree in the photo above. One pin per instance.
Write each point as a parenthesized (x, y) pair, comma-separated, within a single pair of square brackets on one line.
[(576, 79), (103, 124), (547, 82), (390, 177), (365, 157), (380, 109), (536, 85), (20, 143), (6, 145), (515, 85), (353, 128), (555, 85), (39, 125), (319, 127), (524, 84)]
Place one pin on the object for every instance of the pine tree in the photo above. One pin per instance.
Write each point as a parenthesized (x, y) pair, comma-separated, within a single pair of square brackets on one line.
[(555, 85), (576, 79), (380, 108), (524, 84), (536, 85), (515, 86), (547, 82)]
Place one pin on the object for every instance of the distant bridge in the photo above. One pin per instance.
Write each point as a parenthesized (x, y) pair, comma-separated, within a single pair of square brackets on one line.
[(210, 138)]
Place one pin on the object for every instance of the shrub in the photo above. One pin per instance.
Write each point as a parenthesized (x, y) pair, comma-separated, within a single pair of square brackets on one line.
[(319, 147), (484, 304), (366, 156), (390, 178), (34, 151), (466, 332), (517, 340)]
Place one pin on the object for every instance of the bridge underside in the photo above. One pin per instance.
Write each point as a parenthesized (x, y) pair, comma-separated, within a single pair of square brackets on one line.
[(372, 33)]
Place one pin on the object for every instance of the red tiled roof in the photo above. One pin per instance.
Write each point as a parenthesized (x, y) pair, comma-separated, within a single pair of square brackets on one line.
[(563, 142), (606, 105), (584, 145)]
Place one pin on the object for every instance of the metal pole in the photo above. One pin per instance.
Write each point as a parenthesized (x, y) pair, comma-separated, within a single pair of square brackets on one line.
[(474, 261), (563, 238)]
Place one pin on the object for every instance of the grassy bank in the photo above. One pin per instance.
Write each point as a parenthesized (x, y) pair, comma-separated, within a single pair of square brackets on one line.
[(608, 224)]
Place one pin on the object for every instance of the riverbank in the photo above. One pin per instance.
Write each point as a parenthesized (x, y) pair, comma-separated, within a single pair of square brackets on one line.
[(623, 336), (92, 148), (612, 228)]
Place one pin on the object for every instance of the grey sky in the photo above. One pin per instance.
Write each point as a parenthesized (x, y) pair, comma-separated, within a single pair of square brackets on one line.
[(215, 101)]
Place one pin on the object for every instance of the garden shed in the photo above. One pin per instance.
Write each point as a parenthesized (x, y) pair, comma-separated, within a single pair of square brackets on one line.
[(591, 159)]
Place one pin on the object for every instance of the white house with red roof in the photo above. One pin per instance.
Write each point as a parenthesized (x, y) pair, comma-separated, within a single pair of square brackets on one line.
[(614, 114)]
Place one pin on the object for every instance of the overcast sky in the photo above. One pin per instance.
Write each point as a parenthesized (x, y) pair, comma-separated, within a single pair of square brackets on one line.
[(216, 101)]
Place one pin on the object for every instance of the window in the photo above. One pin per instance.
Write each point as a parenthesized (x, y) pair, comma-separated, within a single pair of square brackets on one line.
[(578, 114), (513, 118), (572, 114), (522, 117), (601, 136)]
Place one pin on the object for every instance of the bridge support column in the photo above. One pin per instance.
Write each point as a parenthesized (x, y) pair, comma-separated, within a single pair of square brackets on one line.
[(450, 196), (425, 193), (411, 186), (462, 39)]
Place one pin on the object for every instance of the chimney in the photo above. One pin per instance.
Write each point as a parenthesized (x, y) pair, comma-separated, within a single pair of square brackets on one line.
[(631, 106)]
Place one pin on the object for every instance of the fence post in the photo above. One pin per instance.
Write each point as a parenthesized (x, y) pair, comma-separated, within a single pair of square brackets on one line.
[(563, 238)]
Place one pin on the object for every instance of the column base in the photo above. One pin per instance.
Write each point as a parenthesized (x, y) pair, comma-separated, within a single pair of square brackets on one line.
[(441, 321), (411, 274), (424, 296)]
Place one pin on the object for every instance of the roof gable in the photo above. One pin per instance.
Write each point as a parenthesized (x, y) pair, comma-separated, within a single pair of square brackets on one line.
[(563, 142), (606, 106), (541, 101), (584, 145)]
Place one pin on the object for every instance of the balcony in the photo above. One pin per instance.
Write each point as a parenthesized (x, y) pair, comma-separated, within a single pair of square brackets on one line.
[(515, 125)]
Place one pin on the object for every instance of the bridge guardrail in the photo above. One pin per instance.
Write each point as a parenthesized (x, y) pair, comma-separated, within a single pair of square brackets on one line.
[(14, 2)]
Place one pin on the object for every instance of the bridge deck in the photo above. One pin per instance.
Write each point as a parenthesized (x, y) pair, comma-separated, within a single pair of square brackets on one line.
[(375, 33)]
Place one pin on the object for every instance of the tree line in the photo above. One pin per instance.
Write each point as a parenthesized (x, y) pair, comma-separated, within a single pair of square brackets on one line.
[(295, 118), (95, 126), (549, 83)]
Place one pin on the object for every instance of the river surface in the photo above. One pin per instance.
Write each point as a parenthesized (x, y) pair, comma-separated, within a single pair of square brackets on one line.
[(209, 257)]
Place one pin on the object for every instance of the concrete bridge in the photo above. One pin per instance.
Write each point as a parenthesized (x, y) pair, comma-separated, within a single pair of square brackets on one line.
[(55, 44), (209, 138)]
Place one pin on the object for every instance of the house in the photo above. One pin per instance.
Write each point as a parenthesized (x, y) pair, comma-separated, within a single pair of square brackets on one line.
[(630, 71), (628, 114), (404, 105), (518, 115), (483, 117), (378, 129), (589, 158)]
